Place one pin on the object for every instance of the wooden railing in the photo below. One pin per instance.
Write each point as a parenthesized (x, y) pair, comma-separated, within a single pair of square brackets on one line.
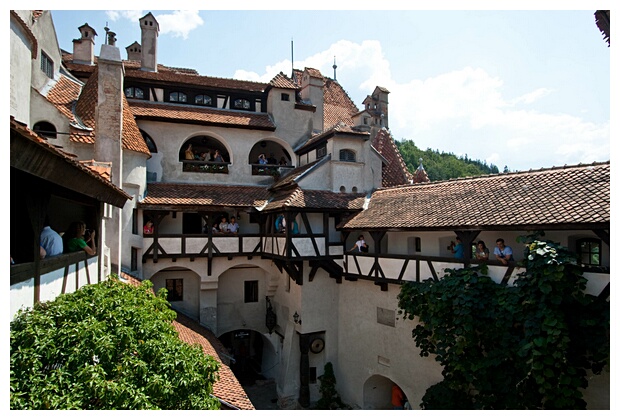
[(206, 167)]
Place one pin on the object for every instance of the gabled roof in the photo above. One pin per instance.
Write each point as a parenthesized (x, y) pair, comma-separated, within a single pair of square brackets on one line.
[(339, 128), (395, 172), (557, 198), (172, 196), (85, 109), (281, 81), (316, 199), (64, 94), (34, 155), (157, 111), (291, 178)]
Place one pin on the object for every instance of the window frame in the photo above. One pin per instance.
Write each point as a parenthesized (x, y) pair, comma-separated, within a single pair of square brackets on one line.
[(235, 104), (178, 94), (580, 253), (173, 292), (347, 155), (203, 96), (250, 291), (133, 92), (47, 65)]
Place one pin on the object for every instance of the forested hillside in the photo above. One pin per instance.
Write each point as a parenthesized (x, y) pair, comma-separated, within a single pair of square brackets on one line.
[(443, 165)]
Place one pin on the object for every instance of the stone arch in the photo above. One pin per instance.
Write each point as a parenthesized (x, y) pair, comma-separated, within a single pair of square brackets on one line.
[(206, 142), (378, 393), (269, 145), (252, 355), (189, 282)]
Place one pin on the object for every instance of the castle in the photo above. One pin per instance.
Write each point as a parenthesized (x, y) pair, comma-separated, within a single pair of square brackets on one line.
[(137, 141)]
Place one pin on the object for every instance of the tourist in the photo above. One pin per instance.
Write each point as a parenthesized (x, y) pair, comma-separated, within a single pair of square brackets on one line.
[(233, 226), (76, 239), (482, 252), (457, 249), (502, 252), (360, 245), (51, 242)]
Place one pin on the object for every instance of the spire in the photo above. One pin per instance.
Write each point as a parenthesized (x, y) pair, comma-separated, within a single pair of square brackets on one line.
[(334, 67), (420, 175)]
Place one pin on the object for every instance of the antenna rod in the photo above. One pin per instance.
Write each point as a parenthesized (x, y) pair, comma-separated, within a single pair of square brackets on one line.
[(292, 65)]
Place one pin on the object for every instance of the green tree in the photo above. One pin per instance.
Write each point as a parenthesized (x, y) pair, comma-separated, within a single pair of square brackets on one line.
[(107, 346), (527, 346), (330, 400)]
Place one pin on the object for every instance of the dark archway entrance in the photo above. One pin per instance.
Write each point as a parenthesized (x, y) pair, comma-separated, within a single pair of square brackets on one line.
[(246, 346)]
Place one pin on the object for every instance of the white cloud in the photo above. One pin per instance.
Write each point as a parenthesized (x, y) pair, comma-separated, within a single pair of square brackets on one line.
[(462, 112), (178, 24)]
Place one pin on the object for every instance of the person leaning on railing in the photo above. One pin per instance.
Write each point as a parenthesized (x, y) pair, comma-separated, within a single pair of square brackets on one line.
[(76, 239)]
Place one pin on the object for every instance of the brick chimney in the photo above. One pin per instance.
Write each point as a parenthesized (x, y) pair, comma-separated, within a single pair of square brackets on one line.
[(150, 31), (84, 47), (109, 138)]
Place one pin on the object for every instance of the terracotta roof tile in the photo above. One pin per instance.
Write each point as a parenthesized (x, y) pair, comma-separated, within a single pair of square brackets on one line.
[(557, 196), (64, 94), (171, 194), (283, 82), (184, 78), (395, 172), (227, 387), (337, 105), (204, 115), (70, 158), (317, 199)]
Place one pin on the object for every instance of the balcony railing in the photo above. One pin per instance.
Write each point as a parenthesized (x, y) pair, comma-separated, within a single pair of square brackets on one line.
[(271, 170), (205, 167)]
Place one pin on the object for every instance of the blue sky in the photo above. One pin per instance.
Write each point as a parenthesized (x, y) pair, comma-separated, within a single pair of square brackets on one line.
[(524, 88)]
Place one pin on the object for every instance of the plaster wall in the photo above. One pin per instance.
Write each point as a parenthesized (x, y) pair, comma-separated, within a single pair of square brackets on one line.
[(293, 125), (367, 347), (190, 304), (20, 73), (42, 110), (45, 33), (170, 137)]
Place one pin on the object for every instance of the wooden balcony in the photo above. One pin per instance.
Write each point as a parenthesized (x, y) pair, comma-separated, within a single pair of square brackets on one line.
[(386, 269)]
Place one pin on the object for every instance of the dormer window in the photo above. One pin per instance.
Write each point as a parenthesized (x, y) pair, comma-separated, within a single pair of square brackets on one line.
[(321, 151), (178, 97), (202, 100), (134, 92), (241, 104), (347, 155)]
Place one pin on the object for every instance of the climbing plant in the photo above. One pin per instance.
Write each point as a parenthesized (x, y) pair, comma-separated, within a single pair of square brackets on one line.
[(525, 346), (107, 346)]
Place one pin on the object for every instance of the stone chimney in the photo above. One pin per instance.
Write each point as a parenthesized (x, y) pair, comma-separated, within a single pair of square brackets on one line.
[(134, 52), (150, 31), (109, 139), (84, 47), (312, 92)]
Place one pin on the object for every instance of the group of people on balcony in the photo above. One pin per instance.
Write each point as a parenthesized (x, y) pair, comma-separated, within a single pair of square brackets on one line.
[(208, 156), (76, 238), (224, 226), (502, 252), (271, 160)]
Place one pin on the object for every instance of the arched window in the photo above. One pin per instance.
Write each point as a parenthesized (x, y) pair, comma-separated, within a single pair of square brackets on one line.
[(134, 92), (202, 100), (347, 155), (45, 129), (241, 104), (150, 143), (589, 251), (178, 97)]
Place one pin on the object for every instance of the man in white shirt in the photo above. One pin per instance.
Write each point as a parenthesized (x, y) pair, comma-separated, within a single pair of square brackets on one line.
[(233, 226)]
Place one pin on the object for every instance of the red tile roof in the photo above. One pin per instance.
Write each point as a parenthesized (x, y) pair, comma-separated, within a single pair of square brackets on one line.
[(557, 198), (27, 133), (395, 172), (186, 195), (200, 114), (227, 387), (85, 110), (63, 95), (317, 199), (283, 82), (337, 105)]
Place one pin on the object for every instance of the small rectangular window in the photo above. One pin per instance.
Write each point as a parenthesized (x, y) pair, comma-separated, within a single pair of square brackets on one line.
[(175, 289), (47, 65), (285, 97), (321, 151), (134, 221), (251, 291), (134, 259)]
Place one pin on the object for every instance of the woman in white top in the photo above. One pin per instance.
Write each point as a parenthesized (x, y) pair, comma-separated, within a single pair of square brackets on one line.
[(360, 244)]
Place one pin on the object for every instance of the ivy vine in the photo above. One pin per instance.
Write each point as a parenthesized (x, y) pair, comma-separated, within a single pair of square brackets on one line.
[(525, 346)]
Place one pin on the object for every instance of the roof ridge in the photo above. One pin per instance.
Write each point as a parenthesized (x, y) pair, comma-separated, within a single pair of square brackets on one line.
[(507, 174)]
